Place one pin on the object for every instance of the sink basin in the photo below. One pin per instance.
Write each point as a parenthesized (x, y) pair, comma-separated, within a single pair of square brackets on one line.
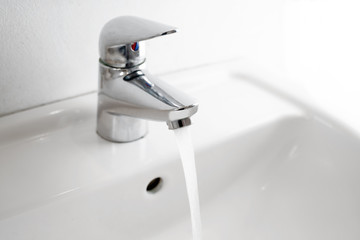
[(267, 169)]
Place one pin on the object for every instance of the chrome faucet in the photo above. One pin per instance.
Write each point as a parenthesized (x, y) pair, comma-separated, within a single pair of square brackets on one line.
[(128, 95)]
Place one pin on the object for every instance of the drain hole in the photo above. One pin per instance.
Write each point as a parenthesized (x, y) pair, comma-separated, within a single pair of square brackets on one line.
[(154, 185)]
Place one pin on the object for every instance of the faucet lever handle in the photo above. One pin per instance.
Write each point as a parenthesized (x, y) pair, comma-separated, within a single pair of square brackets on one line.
[(119, 40)]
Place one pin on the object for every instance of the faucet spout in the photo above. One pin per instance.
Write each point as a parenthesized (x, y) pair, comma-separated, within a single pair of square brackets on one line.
[(128, 97)]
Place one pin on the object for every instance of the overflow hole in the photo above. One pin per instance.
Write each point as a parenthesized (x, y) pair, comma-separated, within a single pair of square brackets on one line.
[(154, 185)]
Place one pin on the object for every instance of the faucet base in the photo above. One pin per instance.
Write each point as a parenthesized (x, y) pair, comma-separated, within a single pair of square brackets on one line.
[(120, 128)]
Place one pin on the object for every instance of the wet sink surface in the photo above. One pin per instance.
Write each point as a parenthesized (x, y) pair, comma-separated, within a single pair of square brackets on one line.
[(267, 170)]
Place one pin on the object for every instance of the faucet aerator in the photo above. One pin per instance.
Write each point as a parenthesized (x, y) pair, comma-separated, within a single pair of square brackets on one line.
[(179, 123)]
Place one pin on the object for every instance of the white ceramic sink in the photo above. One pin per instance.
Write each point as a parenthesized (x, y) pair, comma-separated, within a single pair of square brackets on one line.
[(268, 169)]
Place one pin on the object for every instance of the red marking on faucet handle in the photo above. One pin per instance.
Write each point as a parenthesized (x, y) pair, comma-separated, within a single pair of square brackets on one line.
[(135, 46)]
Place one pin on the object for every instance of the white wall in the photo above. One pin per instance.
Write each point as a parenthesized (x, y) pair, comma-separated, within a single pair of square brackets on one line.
[(322, 52), (49, 51)]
